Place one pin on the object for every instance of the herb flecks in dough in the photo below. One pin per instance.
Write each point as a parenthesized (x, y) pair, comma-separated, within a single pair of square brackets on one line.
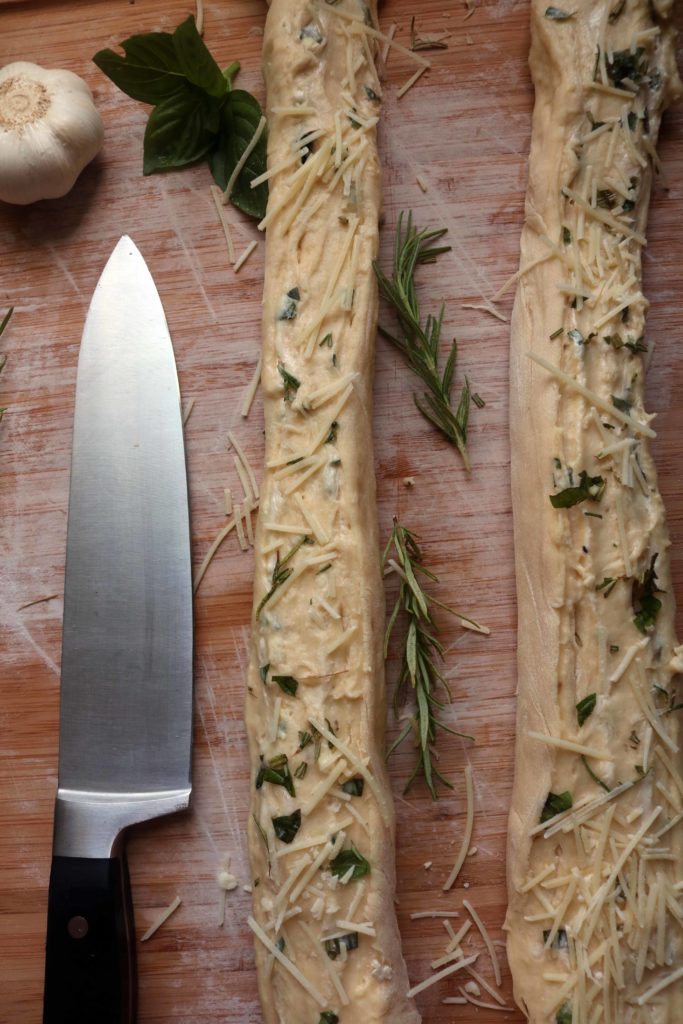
[(558, 14), (555, 803), (421, 652), (645, 604), (594, 776), (333, 947), (276, 771), (286, 826), (585, 708), (418, 340), (350, 862), (589, 488), (288, 684), (281, 572)]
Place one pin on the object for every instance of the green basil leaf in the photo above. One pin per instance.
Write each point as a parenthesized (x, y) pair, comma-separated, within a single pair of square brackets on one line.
[(177, 133), (645, 605), (348, 859), (355, 786), (589, 488), (557, 14), (240, 116), (288, 684), (197, 64), (585, 708), (555, 803), (150, 70), (287, 825)]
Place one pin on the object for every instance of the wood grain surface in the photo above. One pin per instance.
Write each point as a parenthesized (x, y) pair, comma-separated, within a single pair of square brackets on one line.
[(465, 129)]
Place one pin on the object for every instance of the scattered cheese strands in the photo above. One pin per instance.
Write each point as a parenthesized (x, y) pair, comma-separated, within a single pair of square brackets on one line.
[(225, 223), (237, 170), (411, 81), (245, 462), (285, 962), (467, 837), (488, 942), (663, 983), (208, 558), (241, 260), (358, 765), (161, 919), (486, 1006), (187, 411), (445, 973), (251, 390), (592, 397)]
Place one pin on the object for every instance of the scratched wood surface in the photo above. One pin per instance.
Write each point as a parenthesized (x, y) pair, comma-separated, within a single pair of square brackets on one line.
[(465, 129)]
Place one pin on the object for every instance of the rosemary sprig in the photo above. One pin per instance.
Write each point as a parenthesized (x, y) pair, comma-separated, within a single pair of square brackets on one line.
[(421, 652), (418, 341), (281, 572), (6, 319), (3, 358)]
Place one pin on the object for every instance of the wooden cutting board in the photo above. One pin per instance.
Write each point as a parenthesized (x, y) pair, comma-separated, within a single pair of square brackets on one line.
[(464, 128)]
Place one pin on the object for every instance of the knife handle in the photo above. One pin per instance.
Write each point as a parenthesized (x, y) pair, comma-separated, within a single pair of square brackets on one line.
[(90, 971)]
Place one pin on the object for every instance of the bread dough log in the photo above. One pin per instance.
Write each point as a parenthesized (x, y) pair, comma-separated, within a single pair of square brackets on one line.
[(594, 932), (321, 828)]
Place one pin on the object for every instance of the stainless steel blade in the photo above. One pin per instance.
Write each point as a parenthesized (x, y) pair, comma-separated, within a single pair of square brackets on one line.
[(126, 685)]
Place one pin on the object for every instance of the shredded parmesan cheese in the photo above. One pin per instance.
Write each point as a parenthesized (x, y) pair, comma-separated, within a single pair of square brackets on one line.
[(467, 837), (285, 961), (161, 919)]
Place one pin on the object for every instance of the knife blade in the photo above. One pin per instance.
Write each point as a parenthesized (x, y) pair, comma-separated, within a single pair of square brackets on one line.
[(126, 677)]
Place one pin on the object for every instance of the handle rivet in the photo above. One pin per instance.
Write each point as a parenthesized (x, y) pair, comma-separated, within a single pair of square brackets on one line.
[(77, 927)]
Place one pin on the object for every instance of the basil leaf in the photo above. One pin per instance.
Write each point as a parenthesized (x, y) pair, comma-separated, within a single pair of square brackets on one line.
[(564, 1014), (196, 62), (287, 826), (560, 941), (150, 70), (350, 859), (555, 803), (589, 487), (288, 684), (328, 1017), (240, 115), (177, 133), (645, 605), (333, 947), (585, 708), (557, 14), (355, 786), (277, 772)]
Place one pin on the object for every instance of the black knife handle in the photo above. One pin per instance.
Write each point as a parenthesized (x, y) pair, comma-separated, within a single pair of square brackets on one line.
[(90, 972)]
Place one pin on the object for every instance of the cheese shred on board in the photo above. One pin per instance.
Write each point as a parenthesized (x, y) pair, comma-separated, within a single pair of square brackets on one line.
[(595, 851), (324, 915)]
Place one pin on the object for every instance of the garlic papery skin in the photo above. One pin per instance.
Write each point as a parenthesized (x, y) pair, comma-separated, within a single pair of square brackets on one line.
[(49, 130)]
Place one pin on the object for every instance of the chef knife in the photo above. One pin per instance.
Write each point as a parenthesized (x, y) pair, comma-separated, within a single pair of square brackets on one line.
[(126, 678)]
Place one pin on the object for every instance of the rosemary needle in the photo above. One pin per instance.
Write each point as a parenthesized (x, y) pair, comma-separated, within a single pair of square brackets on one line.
[(418, 341), (6, 319), (421, 652)]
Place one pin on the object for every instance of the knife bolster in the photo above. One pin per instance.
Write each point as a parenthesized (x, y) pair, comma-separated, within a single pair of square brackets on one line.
[(89, 824)]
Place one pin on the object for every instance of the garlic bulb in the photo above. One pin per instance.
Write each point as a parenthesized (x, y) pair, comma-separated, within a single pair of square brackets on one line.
[(49, 131)]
